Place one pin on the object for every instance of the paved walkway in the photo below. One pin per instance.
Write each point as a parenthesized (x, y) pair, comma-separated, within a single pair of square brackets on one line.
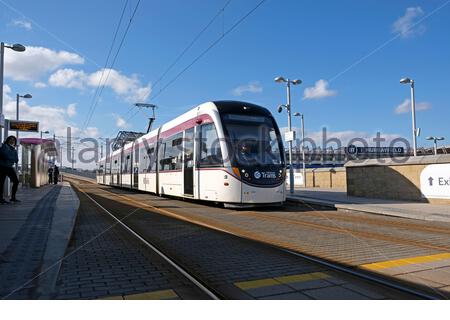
[(33, 238), (339, 199)]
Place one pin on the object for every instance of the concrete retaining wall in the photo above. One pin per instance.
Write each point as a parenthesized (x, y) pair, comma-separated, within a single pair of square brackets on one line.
[(391, 179)]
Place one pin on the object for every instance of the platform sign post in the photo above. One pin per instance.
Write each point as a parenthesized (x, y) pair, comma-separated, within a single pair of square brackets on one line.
[(289, 136)]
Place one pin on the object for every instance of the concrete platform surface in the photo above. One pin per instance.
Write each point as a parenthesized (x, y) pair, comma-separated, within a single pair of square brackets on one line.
[(338, 199), (34, 236)]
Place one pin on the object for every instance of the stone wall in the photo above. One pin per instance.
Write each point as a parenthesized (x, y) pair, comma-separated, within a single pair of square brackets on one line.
[(334, 178), (392, 179)]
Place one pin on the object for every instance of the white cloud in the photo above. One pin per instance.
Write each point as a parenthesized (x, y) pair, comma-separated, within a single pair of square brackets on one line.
[(68, 78), (71, 110), (51, 118), (22, 24), (320, 90), (40, 85), (120, 122), (405, 106), (35, 62), (251, 87), (6, 89), (91, 132), (129, 88), (406, 25)]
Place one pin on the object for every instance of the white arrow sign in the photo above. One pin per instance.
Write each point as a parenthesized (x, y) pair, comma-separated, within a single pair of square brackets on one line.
[(435, 181)]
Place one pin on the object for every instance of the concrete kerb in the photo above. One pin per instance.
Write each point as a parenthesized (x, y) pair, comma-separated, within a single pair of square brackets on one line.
[(65, 213), (370, 209)]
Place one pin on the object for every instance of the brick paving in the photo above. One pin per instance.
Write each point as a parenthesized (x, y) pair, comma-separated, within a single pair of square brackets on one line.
[(106, 260), (21, 261), (222, 260)]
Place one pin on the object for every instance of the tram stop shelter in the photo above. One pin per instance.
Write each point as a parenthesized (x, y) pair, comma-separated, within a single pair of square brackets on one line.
[(37, 155)]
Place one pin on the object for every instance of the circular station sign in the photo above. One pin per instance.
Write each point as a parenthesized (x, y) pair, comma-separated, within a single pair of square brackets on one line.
[(435, 181)]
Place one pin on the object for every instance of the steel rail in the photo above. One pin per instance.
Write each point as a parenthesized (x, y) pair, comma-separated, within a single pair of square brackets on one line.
[(379, 280), (174, 264)]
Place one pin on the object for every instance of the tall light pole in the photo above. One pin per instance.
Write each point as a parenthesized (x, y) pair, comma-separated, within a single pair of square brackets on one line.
[(73, 156), (413, 111), (18, 96), (298, 114), (16, 47), (26, 96), (435, 140), (288, 109)]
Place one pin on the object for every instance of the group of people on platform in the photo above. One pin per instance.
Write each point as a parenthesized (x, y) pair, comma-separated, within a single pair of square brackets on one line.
[(53, 175)]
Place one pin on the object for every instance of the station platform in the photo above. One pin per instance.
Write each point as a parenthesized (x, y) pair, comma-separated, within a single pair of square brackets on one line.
[(338, 199), (34, 236)]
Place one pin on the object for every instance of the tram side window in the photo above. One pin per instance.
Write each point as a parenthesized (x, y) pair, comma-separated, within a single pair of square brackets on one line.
[(108, 166), (154, 162), (115, 167), (210, 154), (142, 160), (127, 164), (100, 168), (171, 153), (151, 159), (136, 155), (161, 151)]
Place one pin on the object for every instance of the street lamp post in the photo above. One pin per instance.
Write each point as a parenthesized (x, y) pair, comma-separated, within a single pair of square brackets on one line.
[(435, 140), (288, 109), (26, 96), (46, 132), (18, 96), (297, 114), (16, 47), (413, 111)]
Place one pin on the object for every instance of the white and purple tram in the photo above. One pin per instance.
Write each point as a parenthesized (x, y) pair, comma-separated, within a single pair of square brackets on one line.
[(229, 152)]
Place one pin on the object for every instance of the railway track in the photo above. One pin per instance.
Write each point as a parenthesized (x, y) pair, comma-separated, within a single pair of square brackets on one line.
[(223, 286)]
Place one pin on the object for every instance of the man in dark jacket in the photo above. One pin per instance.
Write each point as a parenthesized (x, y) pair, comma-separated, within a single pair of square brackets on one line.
[(55, 175), (8, 157)]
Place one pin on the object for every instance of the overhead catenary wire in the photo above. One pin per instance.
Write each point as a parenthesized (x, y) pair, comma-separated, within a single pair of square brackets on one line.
[(182, 53), (194, 40), (106, 63), (204, 52), (113, 62), (220, 38)]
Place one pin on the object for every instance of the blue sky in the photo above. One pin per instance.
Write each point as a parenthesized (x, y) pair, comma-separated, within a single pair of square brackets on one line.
[(316, 41)]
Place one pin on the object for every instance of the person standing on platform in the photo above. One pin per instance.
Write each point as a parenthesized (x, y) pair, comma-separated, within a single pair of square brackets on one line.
[(8, 157), (50, 175), (55, 175)]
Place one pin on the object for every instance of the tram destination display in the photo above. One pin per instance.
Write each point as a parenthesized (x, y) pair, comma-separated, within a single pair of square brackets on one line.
[(24, 126)]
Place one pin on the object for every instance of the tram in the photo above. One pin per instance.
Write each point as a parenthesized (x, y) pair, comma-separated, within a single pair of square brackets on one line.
[(228, 152)]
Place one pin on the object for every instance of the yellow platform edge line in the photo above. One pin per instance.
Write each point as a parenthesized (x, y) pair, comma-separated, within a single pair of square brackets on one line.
[(406, 261), (303, 277), (112, 298), (153, 295), (254, 284)]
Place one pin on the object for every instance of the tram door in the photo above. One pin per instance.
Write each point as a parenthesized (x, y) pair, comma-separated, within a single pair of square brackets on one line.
[(135, 164), (189, 162)]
